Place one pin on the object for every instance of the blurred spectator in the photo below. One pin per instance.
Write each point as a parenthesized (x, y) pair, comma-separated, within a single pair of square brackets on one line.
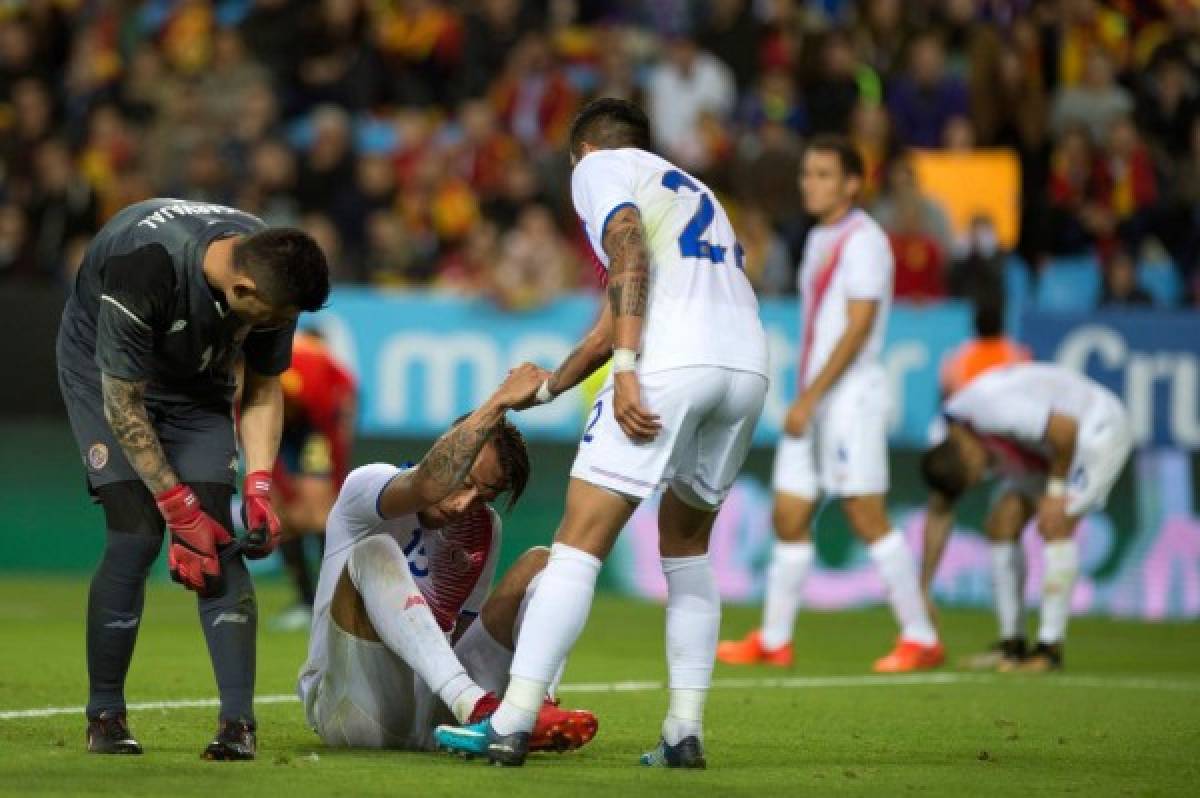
[(926, 97), (492, 29), (1167, 106), (534, 264), (683, 87), (421, 45), (1126, 187), (1120, 282), (871, 132), (32, 124), (1086, 29), (533, 96), (880, 34), (768, 176), (1095, 102), (62, 208), (337, 63), (774, 98), (228, 81), (16, 252), (768, 261), (835, 93), (977, 268), (731, 33), (1009, 109), (1073, 216), (270, 192), (920, 261), (328, 167), (903, 207)]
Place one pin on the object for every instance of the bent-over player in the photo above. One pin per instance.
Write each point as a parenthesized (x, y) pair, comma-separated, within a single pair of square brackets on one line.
[(169, 294), (1058, 440)]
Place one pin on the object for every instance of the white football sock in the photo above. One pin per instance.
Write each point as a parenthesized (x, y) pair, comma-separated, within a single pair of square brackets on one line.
[(895, 563), (1008, 585), (551, 624), (789, 567), (693, 625), (1058, 583), (405, 624)]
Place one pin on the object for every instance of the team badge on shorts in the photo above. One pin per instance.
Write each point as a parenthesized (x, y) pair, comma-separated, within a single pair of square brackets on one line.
[(97, 456)]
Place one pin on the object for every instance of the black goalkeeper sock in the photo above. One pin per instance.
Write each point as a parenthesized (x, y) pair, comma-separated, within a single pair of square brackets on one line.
[(230, 623), (292, 551), (115, 602)]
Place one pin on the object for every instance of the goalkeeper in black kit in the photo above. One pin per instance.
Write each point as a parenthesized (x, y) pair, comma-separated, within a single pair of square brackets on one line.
[(169, 296)]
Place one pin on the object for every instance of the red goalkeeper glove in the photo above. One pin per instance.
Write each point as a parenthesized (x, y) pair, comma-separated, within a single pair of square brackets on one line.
[(195, 535), (262, 525)]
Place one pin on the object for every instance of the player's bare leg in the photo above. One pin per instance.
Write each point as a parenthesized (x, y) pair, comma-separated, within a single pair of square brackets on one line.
[(693, 624), (377, 600), (918, 647), (1061, 553), (554, 619), (791, 559), (1003, 526), (486, 651)]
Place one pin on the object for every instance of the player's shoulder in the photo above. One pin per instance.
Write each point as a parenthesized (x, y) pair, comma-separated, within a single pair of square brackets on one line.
[(866, 230), (367, 481)]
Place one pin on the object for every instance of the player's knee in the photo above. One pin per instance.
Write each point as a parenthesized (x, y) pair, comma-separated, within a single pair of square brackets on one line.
[(867, 516), (215, 499), (378, 559), (129, 508), (500, 611)]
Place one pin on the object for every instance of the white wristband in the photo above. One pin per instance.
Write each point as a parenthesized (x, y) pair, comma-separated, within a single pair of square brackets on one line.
[(1056, 487), (544, 394), (624, 360)]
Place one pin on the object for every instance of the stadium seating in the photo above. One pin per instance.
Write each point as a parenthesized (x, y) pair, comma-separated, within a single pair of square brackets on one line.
[(1069, 284)]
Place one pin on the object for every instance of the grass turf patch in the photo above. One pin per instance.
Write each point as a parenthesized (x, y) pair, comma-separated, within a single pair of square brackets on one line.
[(1121, 721)]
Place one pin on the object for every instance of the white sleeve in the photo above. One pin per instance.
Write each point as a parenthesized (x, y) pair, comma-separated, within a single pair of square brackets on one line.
[(1007, 413), (867, 261), (358, 501), (483, 586), (601, 184)]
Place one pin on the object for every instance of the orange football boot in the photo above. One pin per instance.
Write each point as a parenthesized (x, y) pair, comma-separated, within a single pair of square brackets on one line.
[(561, 730), (909, 656), (750, 651)]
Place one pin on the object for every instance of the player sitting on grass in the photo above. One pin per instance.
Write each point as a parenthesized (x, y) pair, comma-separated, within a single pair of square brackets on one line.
[(1059, 441), (409, 559)]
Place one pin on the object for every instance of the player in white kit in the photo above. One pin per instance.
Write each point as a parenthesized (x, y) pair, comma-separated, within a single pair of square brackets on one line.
[(409, 561), (689, 380), (835, 433), (1058, 442)]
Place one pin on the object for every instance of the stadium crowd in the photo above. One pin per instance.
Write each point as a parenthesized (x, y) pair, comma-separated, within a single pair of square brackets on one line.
[(422, 142)]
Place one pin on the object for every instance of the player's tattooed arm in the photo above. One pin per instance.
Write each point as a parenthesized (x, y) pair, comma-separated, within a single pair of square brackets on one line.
[(448, 462), (125, 409), (628, 271)]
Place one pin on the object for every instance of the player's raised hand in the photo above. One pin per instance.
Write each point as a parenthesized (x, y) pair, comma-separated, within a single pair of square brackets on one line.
[(520, 387), (195, 535), (262, 525), (636, 421), (534, 401)]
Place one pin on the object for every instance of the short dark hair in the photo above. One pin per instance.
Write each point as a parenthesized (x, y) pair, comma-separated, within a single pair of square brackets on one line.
[(513, 456), (848, 155), (610, 123), (943, 469), (287, 266)]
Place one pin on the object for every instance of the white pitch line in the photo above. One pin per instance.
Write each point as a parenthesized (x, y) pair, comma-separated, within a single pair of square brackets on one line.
[(776, 683)]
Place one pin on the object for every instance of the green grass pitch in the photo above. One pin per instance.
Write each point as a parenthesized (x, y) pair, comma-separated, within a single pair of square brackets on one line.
[(1123, 720)]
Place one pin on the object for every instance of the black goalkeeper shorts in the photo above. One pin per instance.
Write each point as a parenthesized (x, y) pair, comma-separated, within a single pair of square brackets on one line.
[(197, 438)]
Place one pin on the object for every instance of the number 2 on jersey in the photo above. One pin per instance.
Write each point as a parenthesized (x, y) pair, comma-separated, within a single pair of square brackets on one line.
[(691, 245)]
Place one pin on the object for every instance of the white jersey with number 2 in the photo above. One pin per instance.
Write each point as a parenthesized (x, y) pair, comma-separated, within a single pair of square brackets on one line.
[(702, 310)]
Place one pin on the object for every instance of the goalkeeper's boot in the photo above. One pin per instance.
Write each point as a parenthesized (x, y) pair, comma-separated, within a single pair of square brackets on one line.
[(1045, 658), (235, 741), (560, 729), (687, 753), (480, 739), (1010, 649), (910, 656), (107, 733), (751, 651)]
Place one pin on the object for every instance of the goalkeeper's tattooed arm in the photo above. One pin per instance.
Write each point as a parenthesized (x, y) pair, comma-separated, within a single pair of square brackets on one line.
[(125, 409)]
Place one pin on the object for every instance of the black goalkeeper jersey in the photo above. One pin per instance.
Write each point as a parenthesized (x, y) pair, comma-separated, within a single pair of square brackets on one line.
[(142, 309)]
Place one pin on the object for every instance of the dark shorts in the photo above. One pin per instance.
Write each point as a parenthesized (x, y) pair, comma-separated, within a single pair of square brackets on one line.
[(198, 439)]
